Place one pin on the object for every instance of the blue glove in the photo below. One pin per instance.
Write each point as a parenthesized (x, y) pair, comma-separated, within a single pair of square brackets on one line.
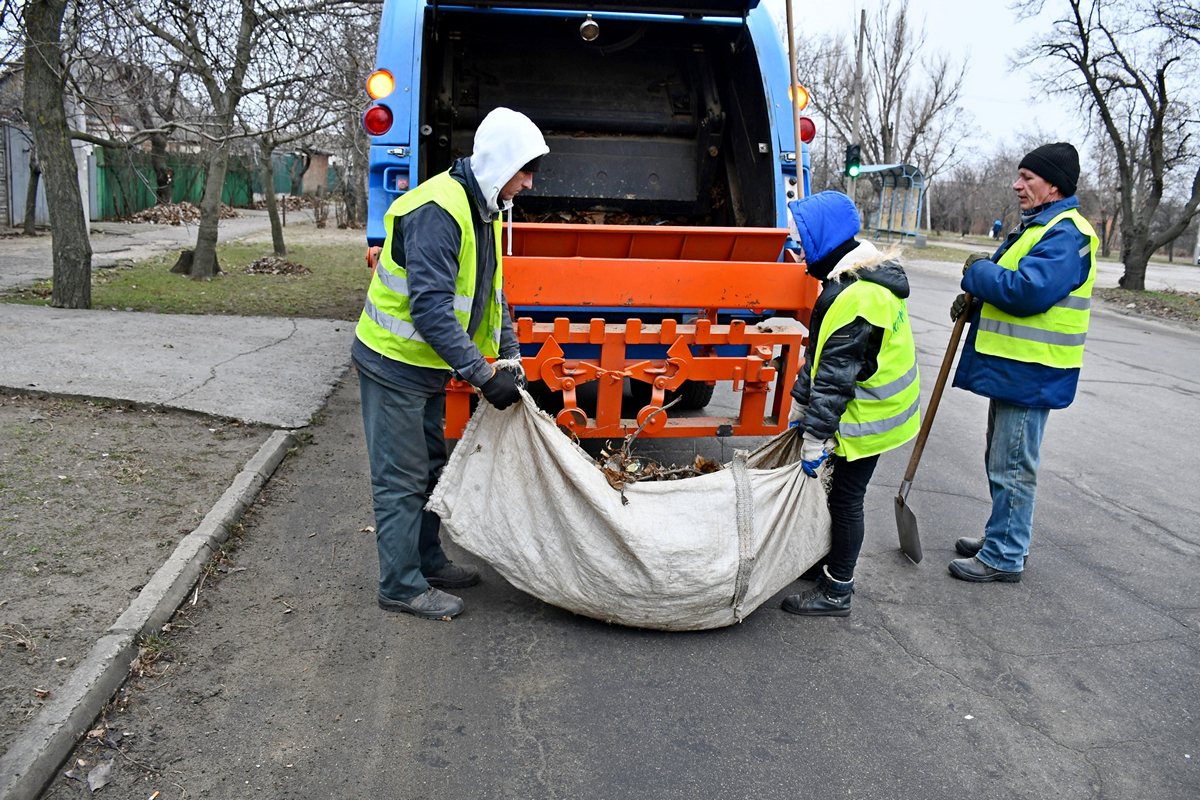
[(813, 453)]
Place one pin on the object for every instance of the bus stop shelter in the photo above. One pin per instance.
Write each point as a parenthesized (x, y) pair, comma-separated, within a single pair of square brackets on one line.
[(901, 190)]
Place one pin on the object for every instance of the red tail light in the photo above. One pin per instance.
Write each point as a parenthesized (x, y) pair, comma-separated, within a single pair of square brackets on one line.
[(377, 120), (808, 130)]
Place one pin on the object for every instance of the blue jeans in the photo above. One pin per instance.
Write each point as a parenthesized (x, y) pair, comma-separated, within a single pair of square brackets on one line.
[(406, 446), (1014, 437)]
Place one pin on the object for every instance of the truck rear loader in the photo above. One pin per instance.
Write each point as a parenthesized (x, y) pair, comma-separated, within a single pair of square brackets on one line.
[(658, 245)]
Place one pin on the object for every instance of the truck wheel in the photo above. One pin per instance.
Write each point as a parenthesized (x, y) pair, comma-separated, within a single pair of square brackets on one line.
[(695, 394)]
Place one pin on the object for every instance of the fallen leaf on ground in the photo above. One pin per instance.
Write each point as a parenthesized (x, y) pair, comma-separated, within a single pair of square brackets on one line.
[(100, 776)]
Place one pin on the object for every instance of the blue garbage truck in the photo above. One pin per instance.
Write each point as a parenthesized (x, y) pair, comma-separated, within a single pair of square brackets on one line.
[(672, 113)]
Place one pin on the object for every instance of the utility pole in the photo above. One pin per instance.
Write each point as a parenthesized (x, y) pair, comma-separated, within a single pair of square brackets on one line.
[(795, 94), (858, 93)]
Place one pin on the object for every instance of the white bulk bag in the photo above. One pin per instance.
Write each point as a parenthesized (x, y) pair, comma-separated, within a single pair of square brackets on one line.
[(691, 554)]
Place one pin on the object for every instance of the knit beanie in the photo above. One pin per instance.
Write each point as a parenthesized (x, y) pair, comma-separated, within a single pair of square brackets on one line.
[(1057, 164)]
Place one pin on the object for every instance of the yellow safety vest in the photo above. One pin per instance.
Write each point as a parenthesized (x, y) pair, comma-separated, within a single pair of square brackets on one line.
[(1055, 337), (885, 411), (386, 325)]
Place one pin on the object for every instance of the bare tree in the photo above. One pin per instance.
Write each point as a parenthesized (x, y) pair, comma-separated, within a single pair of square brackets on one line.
[(44, 79), (219, 42), (1132, 70), (911, 111)]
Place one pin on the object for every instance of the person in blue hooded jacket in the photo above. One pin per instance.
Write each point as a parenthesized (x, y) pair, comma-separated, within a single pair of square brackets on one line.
[(858, 392), (1029, 319)]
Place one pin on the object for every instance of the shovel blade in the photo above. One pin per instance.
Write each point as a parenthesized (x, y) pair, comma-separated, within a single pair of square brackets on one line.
[(906, 526)]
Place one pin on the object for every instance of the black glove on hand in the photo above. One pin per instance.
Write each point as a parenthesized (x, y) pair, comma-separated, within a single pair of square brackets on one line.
[(958, 307), (517, 371), (501, 389), (971, 259)]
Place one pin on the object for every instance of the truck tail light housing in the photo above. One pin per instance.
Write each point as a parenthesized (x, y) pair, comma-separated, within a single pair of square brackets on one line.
[(380, 84), (808, 130), (377, 120)]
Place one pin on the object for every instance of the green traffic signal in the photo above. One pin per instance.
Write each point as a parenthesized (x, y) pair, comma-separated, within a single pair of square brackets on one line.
[(853, 160)]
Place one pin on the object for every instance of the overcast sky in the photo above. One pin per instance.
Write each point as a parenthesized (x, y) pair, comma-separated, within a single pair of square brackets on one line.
[(1001, 101)]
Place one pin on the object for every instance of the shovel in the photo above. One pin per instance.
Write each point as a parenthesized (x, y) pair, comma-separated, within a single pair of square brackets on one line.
[(906, 521)]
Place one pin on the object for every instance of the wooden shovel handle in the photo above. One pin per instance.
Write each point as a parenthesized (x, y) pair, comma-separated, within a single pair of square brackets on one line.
[(936, 397)]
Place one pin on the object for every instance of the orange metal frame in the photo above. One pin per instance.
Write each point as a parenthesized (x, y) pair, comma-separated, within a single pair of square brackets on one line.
[(695, 270)]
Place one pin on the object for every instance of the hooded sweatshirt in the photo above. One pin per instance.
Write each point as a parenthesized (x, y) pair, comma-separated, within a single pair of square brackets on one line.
[(851, 353), (427, 240)]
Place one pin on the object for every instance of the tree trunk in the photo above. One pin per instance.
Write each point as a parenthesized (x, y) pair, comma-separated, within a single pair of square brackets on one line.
[(268, 176), (35, 173), (359, 172), (1135, 258), (48, 121), (204, 267), (163, 190)]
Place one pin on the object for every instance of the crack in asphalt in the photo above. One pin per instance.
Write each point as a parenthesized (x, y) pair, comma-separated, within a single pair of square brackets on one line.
[(1181, 545), (999, 701), (212, 376)]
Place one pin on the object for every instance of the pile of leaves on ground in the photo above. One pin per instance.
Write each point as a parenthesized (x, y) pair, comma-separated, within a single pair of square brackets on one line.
[(1168, 304), (290, 202), (177, 214), (274, 265)]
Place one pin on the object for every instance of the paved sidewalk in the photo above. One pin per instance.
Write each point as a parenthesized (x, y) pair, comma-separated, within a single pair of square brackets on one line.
[(264, 370)]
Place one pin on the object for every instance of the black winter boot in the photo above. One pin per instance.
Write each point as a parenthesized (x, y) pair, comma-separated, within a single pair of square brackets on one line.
[(829, 598)]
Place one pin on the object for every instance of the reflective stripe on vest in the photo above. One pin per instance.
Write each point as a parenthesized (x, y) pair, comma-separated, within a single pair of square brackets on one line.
[(885, 411), (386, 324), (1054, 338)]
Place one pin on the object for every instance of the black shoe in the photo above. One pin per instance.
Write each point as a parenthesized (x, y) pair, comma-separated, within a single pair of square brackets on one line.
[(433, 604), (974, 570), (454, 576), (823, 600), (814, 572), (969, 547)]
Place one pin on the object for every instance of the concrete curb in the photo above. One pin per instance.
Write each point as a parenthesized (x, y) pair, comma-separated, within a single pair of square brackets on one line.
[(29, 765)]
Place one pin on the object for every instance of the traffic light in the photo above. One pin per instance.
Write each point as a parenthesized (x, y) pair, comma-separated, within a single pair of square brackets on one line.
[(853, 160)]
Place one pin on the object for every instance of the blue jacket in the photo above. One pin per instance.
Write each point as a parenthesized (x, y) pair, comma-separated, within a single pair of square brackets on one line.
[(1048, 273)]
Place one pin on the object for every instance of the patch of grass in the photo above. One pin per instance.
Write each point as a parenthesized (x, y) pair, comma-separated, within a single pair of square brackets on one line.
[(1183, 306), (936, 253), (335, 288)]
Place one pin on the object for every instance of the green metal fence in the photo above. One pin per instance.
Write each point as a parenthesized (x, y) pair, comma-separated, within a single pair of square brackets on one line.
[(125, 181)]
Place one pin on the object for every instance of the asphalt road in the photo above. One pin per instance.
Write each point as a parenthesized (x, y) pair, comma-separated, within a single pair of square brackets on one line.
[(1079, 682)]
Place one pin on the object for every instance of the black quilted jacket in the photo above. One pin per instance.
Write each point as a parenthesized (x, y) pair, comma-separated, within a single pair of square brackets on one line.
[(850, 354)]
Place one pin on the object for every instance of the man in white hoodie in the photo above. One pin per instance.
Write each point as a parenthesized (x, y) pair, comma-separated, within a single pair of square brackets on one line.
[(436, 308)]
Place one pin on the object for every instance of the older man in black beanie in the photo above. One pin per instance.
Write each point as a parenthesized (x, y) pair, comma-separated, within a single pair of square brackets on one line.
[(1028, 320)]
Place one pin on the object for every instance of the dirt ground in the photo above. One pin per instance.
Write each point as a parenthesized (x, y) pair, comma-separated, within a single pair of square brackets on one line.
[(94, 496), (1175, 306)]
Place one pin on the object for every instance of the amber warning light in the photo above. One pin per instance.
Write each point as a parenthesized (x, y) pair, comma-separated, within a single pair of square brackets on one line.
[(380, 84), (800, 97)]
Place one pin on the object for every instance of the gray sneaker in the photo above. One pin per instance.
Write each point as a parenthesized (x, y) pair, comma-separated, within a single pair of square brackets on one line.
[(433, 604), (454, 576)]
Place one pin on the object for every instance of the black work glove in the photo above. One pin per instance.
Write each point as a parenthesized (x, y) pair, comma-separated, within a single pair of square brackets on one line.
[(971, 259), (518, 372), (501, 389), (958, 307)]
